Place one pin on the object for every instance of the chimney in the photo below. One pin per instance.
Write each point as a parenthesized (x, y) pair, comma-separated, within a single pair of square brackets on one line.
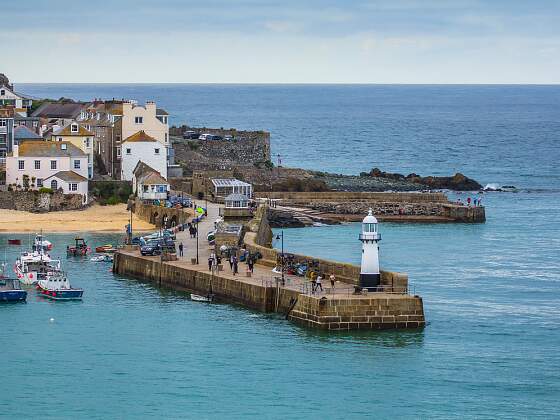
[(151, 106)]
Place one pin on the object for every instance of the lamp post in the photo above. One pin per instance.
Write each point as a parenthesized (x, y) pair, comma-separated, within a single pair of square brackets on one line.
[(281, 236)]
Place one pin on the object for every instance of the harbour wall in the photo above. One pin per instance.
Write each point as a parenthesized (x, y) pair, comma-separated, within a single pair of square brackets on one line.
[(339, 312), (36, 202)]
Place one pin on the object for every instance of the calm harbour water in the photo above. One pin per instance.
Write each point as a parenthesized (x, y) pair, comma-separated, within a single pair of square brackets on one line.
[(491, 291)]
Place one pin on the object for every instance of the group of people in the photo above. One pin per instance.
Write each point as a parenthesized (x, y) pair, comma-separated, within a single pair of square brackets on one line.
[(192, 230), (317, 282), (215, 260), (476, 201)]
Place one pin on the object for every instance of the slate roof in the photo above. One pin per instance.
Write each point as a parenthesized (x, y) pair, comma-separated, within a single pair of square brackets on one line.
[(67, 131), (139, 136), (23, 133), (145, 174), (161, 111), (59, 110), (32, 148), (68, 176)]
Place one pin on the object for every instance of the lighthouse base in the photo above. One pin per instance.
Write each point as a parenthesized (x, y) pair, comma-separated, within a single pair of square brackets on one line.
[(370, 281)]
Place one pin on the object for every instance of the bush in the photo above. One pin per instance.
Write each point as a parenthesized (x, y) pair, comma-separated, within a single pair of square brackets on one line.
[(113, 200), (46, 190)]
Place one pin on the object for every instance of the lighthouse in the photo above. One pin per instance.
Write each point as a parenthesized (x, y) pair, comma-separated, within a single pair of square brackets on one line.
[(369, 272)]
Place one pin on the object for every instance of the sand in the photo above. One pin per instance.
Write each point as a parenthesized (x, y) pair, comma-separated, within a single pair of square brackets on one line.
[(93, 219)]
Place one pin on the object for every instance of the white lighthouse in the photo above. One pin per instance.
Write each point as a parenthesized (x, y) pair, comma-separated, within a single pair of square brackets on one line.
[(369, 273)]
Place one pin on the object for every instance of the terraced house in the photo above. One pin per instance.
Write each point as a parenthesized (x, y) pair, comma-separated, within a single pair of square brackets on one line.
[(76, 134)]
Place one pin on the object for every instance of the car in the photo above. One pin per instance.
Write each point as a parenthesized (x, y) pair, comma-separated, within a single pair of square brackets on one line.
[(228, 137), (215, 137), (157, 246), (190, 135), (204, 136)]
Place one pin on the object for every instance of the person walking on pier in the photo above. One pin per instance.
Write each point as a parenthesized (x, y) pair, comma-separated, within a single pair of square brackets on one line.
[(251, 264), (231, 262), (235, 268), (210, 262), (332, 278), (180, 249), (319, 283)]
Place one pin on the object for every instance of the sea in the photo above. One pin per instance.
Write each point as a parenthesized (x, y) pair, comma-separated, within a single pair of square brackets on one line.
[(491, 291)]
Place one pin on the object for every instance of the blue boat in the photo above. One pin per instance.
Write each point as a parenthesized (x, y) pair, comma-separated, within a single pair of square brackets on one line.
[(10, 289), (57, 287)]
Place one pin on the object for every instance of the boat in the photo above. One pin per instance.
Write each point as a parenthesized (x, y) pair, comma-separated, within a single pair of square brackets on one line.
[(79, 248), (14, 241), (57, 287), (10, 289), (102, 258), (109, 248), (33, 266), (197, 298)]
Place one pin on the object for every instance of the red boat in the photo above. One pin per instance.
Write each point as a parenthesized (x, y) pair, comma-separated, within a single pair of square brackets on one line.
[(80, 248), (14, 241)]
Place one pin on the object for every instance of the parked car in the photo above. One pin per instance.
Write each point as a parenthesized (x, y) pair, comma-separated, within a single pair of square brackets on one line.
[(190, 135), (208, 136), (228, 137), (204, 136), (157, 246)]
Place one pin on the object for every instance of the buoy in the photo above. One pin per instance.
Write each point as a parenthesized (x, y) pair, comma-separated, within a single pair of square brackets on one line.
[(52, 319), (30, 275)]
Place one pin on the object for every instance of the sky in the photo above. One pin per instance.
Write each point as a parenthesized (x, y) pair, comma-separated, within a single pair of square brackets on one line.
[(281, 41)]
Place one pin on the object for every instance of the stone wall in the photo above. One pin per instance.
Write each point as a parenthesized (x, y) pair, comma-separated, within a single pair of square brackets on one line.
[(36, 202), (160, 216), (342, 196)]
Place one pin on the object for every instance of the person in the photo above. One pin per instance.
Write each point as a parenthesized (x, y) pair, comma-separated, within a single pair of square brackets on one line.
[(210, 262), (180, 249), (313, 283), (468, 201), (319, 283), (231, 262), (195, 230), (333, 280), (251, 264), (235, 271)]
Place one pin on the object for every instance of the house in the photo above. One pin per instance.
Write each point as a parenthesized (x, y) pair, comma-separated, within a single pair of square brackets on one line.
[(142, 147), (9, 97), (33, 123), (57, 165), (80, 137), (148, 183), (53, 115), (6, 132), (116, 120), (224, 187)]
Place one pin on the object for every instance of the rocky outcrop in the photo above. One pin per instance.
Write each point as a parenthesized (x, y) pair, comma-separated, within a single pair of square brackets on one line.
[(36, 202), (457, 182)]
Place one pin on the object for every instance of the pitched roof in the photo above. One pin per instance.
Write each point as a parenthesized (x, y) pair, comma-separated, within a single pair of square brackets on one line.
[(21, 132), (68, 176), (161, 111), (67, 131), (139, 136), (145, 174), (59, 110), (34, 148)]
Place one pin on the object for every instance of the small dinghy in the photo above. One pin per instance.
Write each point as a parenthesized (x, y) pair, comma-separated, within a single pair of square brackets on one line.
[(14, 241), (102, 258), (105, 249), (197, 298), (57, 287)]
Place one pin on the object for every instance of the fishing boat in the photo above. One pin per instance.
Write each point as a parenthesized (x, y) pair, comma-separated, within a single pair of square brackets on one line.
[(14, 241), (79, 248), (57, 287), (10, 289), (33, 266), (108, 249), (197, 298)]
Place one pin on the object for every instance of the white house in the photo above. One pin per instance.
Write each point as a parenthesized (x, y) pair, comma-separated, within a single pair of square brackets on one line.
[(17, 100), (80, 137), (58, 165), (148, 183), (142, 147)]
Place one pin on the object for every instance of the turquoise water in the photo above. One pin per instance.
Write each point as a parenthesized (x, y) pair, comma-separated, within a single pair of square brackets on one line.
[(491, 291)]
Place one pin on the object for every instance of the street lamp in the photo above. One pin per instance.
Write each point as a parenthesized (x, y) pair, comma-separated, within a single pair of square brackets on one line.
[(281, 236)]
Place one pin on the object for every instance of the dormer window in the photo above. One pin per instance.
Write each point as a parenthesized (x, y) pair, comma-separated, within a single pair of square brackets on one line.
[(156, 151), (74, 128), (63, 146)]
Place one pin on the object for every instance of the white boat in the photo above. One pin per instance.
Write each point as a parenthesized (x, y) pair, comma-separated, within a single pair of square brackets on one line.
[(197, 298), (57, 287), (102, 258), (33, 266)]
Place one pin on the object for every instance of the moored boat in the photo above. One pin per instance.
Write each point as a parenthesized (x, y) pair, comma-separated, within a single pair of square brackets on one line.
[(102, 258), (79, 248), (14, 241), (108, 249), (31, 267), (10, 289), (57, 287), (197, 298)]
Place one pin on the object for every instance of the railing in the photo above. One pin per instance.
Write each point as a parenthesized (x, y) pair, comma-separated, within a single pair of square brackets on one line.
[(307, 289)]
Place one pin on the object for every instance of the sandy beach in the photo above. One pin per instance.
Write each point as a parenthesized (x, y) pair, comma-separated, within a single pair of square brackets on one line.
[(93, 219)]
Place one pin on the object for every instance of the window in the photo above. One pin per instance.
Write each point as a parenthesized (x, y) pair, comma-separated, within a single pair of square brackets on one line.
[(39, 182), (128, 151), (35, 124), (156, 150), (161, 188), (76, 164), (21, 164), (86, 141), (166, 137), (54, 185), (73, 187), (53, 164), (3, 123), (60, 139), (37, 164), (145, 188), (74, 128), (118, 152), (138, 120), (117, 138), (2, 92)]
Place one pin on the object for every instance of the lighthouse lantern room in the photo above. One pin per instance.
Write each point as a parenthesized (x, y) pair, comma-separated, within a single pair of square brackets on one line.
[(370, 237)]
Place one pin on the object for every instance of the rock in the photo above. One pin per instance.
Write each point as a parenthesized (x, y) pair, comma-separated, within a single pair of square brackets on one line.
[(457, 182)]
